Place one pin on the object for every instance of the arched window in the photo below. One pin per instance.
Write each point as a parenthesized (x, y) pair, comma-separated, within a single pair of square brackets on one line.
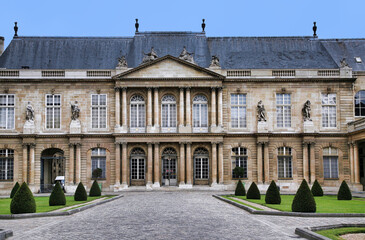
[(239, 159), (6, 164), (168, 113), (200, 113), (98, 160), (330, 163), (138, 114), (360, 104), (138, 164), (201, 164), (285, 168)]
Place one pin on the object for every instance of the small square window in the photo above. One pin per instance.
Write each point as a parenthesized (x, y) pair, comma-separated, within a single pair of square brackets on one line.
[(358, 60)]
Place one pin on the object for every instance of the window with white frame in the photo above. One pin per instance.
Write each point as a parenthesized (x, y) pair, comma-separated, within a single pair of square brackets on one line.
[(168, 112), (98, 110), (283, 110), (328, 109), (200, 112), (6, 164), (138, 112), (7, 115), (201, 164), (239, 159), (285, 169), (137, 164), (330, 163), (53, 111), (360, 104), (238, 110), (98, 160)]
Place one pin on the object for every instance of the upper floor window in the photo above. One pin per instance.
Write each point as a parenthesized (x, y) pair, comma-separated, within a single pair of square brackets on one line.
[(168, 113), (138, 112), (98, 110), (238, 110), (239, 159), (360, 104), (283, 110), (328, 109), (7, 118), (330, 163), (6, 164), (53, 111), (98, 160), (285, 167), (200, 113)]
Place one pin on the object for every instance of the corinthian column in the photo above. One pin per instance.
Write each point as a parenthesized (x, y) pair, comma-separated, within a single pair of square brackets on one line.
[(117, 163), (124, 107), (259, 162), (149, 109), (305, 162), (181, 117), (220, 107), (356, 163), (266, 162), (312, 163), (188, 106), (71, 164), (117, 107), (220, 162), (32, 164), (156, 108), (124, 165), (149, 165), (213, 109), (25, 162), (78, 162), (182, 163), (188, 164), (214, 163), (157, 166)]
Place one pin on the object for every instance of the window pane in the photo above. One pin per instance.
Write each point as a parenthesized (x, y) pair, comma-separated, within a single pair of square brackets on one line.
[(10, 118), (133, 115), (204, 115), (326, 167), (141, 115), (164, 114), (102, 99), (57, 117), (334, 167), (141, 169), (102, 117), (196, 115), (234, 99), (2, 118), (57, 100), (94, 117), (234, 117), (10, 100), (172, 115), (2, 100), (279, 115), (49, 115), (49, 100)]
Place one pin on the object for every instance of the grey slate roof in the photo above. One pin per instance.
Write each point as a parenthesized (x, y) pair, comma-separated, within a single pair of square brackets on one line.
[(233, 52)]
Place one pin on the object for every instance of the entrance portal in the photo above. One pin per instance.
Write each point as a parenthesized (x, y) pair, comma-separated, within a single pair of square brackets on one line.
[(169, 168), (52, 165)]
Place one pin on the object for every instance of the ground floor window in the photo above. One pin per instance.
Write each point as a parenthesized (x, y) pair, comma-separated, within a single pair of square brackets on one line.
[(98, 160), (330, 163), (239, 159), (137, 168), (6, 164), (201, 164), (285, 162)]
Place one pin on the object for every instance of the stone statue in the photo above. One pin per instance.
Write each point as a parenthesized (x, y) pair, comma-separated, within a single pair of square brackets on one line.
[(122, 62), (185, 55), (261, 112), (75, 111), (136, 25), (314, 29), (344, 63), (307, 111), (149, 57), (203, 25), (214, 62), (30, 113)]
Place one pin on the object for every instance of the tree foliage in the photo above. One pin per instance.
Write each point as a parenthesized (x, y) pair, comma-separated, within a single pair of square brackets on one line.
[(80, 194), (23, 201), (344, 193), (95, 190), (15, 188), (57, 196), (240, 189), (253, 192), (303, 200), (272, 194), (317, 190)]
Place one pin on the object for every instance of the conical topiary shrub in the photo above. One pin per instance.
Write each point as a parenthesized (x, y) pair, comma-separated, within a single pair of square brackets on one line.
[(344, 193), (253, 192), (303, 200), (272, 194), (95, 190), (317, 189), (23, 201), (80, 194), (15, 188), (240, 189), (57, 196)]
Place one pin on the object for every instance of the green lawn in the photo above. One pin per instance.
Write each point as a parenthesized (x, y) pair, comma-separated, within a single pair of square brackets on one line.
[(335, 233), (42, 204), (325, 204)]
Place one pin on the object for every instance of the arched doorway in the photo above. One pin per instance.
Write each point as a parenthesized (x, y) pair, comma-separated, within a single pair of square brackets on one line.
[(138, 167), (201, 166), (169, 167), (52, 165)]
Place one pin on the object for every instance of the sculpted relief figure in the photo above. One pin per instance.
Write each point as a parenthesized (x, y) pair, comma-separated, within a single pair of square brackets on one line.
[(307, 111), (185, 55), (214, 62), (29, 113), (75, 111), (148, 57), (122, 62), (261, 112)]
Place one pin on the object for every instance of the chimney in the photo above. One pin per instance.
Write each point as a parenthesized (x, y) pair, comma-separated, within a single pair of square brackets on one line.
[(2, 39)]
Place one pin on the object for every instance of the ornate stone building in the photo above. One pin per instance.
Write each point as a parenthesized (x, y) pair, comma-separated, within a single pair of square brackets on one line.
[(184, 114)]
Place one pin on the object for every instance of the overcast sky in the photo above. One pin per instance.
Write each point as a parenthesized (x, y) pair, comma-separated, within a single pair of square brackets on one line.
[(335, 18)]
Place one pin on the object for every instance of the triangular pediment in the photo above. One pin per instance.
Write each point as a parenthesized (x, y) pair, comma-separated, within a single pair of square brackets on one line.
[(169, 67)]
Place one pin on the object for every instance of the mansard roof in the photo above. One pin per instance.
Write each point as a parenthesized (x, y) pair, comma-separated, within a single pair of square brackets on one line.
[(233, 52)]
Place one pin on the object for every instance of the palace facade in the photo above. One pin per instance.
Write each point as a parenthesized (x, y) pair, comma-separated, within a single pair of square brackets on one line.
[(182, 109)]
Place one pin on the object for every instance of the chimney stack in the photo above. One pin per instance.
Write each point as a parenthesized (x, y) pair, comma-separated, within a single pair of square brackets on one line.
[(2, 39)]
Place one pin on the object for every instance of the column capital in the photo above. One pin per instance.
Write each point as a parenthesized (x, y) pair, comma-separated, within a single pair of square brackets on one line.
[(124, 88), (117, 89), (188, 143), (305, 143), (213, 142), (149, 88), (149, 143), (156, 143), (79, 144), (71, 144), (156, 88), (351, 143), (182, 143), (187, 88), (263, 143), (213, 88)]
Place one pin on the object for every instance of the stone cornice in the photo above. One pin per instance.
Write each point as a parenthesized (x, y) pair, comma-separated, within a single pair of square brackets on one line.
[(290, 79)]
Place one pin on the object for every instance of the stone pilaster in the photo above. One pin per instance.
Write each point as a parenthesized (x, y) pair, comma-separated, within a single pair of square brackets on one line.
[(117, 164), (312, 163), (124, 165), (25, 162), (259, 162), (156, 111), (220, 108), (213, 108), (356, 164), (149, 166), (220, 163), (71, 165), (124, 110), (305, 162), (32, 163), (188, 110), (78, 163), (182, 164), (149, 109), (214, 163), (266, 162), (188, 165), (117, 108), (351, 156), (181, 99), (157, 166)]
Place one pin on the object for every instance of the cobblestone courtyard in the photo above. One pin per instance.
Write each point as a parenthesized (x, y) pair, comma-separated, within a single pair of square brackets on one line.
[(164, 215)]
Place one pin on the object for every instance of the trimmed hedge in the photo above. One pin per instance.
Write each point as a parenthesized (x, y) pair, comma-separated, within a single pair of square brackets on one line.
[(253, 192), (272, 194), (57, 196), (23, 201), (344, 193), (80, 194), (317, 189), (303, 200), (15, 188), (95, 190), (240, 189)]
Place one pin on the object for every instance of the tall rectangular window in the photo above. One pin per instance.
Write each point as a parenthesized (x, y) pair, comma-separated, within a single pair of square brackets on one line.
[(285, 169), (239, 159), (330, 163), (328, 109), (283, 110), (6, 164), (98, 110), (53, 111), (7, 104), (98, 160), (238, 110)]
